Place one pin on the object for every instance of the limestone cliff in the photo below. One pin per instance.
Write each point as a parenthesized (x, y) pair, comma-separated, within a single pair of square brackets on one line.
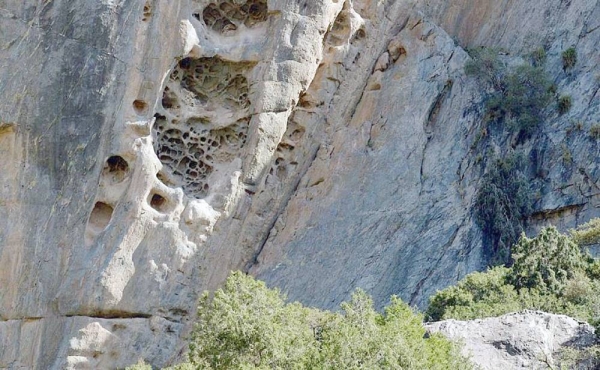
[(150, 147)]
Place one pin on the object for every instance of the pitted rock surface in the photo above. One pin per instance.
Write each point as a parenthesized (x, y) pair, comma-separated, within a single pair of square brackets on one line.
[(151, 147)]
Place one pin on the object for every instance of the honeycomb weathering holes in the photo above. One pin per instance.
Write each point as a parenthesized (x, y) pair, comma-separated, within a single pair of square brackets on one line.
[(229, 16), (205, 122)]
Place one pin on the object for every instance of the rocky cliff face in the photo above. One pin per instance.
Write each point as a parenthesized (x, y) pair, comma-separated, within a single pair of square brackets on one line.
[(150, 147)]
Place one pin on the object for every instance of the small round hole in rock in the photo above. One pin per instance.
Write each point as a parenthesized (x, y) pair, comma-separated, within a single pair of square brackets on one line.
[(140, 107), (100, 216), (185, 63), (116, 168), (158, 202), (117, 163)]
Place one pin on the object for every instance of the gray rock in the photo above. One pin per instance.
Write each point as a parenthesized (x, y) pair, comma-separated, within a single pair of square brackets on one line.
[(527, 340), (152, 147)]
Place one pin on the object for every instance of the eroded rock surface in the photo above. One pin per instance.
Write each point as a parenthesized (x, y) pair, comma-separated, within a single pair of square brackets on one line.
[(528, 340), (151, 147)]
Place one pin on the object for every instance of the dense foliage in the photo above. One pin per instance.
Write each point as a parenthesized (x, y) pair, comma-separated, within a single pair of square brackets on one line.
[(549, 273), (501, 204), (248, 326), (515, 102), (516, 96), (587, 234)]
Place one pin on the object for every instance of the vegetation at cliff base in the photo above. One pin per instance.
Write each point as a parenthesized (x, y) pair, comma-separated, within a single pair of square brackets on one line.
[(550, 273), (245, 325)]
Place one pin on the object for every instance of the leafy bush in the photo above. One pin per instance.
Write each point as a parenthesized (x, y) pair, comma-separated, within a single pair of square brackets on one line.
[(501, 204), (487, 67), (587, 234), (546, 262), (246, 325), (549, 273), (569, 58), (481, 294), (564, 104), (518, 96), (538, 57), (585, 358), (595, 131)]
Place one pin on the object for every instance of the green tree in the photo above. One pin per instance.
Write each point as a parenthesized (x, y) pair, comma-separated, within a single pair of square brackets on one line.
[(546, 262), (587, 234), (549, 273), (248, 326), (501, 205), (480, 294)]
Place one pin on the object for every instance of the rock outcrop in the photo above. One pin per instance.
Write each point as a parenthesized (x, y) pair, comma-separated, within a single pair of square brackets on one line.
[(527, 340), (151, 147)]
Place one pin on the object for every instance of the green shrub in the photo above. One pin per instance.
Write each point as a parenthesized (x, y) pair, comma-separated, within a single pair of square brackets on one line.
[(480, 294), (546, 262), (595, 131), (487, 67), (501, 204), (538, 57), (587, 234), (569, 58), (566, 154), (584, 358), (249, 326), (564, 104), (549, 273), (518, 96)]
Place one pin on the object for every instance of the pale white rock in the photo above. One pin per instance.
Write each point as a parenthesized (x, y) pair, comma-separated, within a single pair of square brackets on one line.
[(527, 340)]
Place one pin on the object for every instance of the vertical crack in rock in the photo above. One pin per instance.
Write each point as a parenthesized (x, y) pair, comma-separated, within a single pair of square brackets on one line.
[(203, 122), (430, 123)]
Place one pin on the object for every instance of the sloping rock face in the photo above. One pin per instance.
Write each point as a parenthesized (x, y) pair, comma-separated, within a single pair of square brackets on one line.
[(151, 147), (528, 340)]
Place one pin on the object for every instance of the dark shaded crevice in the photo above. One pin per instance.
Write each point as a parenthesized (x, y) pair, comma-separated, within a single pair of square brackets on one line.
[(430, 123), (106, 315), (436, 106), (114, 314), (548, 213)]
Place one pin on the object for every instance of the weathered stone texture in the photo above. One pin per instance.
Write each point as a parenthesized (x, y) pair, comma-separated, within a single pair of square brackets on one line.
[(527, 340), (150, 147)]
